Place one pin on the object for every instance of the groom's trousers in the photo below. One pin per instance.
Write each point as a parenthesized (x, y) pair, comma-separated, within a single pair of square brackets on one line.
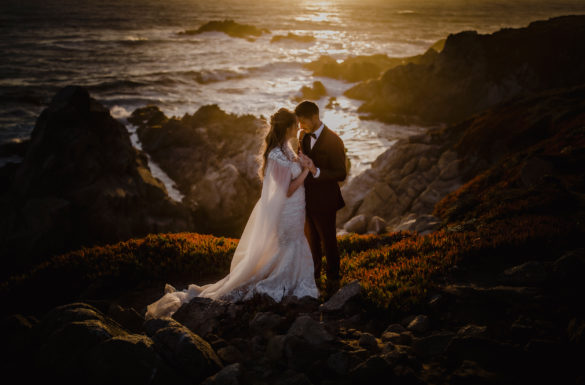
[(320, 231)]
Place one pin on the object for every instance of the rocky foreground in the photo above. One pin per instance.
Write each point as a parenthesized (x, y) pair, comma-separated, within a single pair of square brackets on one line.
[(499, 321), (475, 71)]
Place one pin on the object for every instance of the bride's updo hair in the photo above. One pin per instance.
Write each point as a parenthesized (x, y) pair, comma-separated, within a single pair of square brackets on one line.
[(276, 136)]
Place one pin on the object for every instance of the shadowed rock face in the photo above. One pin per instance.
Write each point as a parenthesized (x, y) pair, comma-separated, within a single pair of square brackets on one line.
[(81, 183), (212, 157), (527, 134), (475, 71)]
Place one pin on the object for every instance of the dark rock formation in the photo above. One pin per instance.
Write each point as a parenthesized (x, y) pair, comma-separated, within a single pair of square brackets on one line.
[(213, 158), (407, 180), (316, 92), (230, 28), (293, 37), (475, 71), (81, 183), (360, 68)]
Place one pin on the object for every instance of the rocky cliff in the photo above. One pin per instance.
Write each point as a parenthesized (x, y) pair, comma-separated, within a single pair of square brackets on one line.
[(406, 181), (475, 71), (80, 183)]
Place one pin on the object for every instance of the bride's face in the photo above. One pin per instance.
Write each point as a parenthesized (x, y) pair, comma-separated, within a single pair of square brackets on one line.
[(292, 130)]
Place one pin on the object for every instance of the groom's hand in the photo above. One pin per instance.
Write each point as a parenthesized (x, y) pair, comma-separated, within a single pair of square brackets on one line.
[(311, 165)]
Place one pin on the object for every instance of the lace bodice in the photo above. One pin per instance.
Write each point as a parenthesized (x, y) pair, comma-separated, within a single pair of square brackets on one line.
[(287, 158)]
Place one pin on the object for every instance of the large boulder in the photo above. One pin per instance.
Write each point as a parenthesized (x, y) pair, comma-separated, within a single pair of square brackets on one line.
[(81, 183)]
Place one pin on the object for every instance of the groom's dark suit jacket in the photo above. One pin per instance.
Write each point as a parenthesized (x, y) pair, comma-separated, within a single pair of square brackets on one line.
[(328, 154)]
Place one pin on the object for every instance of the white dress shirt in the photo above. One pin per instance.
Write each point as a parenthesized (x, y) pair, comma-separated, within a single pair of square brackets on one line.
[(313, 140)]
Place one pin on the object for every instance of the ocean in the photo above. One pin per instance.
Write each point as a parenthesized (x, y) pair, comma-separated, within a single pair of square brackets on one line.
[(129, 53)]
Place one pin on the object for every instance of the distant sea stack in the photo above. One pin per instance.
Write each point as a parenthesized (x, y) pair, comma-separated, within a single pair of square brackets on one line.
[(475, 71), (81, 183), (230, 28)]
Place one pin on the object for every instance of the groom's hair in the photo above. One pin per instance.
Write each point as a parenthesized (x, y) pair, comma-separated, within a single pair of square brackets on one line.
[(306, 109)]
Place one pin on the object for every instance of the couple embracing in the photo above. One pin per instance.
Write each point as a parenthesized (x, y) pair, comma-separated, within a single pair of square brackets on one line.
[(292, 224)]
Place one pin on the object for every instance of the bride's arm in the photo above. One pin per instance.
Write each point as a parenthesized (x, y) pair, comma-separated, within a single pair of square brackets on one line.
[(297, 182)]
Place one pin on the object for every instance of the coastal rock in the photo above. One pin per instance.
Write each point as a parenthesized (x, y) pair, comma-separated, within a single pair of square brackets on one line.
[(212, 157), (81, 182), (187, 351), (342, 297), (315, 92), (230, 28), (491, 68), (360, 68), (309, 330), (293, 37), (357, 224)]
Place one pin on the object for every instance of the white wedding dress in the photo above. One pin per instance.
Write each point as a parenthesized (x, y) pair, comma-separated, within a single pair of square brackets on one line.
[(273, 255)]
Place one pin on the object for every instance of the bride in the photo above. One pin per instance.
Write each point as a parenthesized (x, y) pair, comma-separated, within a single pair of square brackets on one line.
[(273, 255)]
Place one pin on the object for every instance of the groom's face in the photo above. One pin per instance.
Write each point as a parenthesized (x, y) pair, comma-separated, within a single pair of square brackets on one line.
[(308, 124)]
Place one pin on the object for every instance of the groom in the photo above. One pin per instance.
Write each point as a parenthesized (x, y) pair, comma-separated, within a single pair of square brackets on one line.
[(324, 153)]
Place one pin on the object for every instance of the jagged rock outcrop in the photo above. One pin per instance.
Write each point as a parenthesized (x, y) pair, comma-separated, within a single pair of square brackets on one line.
[(81, 182), (406, 181), (362, 67), (213, 158), (475, 71)]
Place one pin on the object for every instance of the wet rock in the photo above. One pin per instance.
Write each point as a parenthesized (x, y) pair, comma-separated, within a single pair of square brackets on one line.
[(490, 353), (395, 327), (128, 359), (229, 375), (376, 225), (346, 294), (369, 342), (357, 224), (191, 354), (472, 330), (266, 324), (316, 92), (127, 317), (374, 370), (203, 315), (339, 362), (293, 37), (420, 323), (230, 28), (433, 344), (470, 372), (531, 272), (309, 330), (570, 267), (230, 354), (275, 347)]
